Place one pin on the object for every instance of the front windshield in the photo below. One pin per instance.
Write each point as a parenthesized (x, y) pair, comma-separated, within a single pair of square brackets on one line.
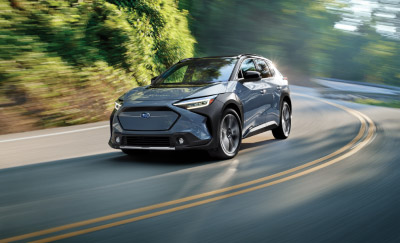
[(198, 71)]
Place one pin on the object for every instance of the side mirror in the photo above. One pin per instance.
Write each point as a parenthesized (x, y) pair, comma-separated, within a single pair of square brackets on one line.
[(153, 80), (251, 76)]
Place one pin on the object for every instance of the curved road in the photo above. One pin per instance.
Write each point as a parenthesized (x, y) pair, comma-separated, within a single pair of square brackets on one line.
[(336, 179)]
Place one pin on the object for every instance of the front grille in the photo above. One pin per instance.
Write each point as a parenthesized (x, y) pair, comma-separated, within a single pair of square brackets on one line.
[(143, 141), (156, 119)]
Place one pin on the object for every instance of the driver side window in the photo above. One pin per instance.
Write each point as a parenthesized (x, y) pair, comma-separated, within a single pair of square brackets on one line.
[(247, 65)]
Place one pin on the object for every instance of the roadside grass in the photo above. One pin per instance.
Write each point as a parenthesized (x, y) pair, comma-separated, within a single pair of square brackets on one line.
[(391, 103)]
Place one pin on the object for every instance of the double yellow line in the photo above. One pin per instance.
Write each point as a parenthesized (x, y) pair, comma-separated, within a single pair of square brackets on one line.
[(364, 136)]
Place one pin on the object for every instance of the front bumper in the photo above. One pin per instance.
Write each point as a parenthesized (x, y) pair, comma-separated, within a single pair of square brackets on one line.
[(193, 129), (158, 142)]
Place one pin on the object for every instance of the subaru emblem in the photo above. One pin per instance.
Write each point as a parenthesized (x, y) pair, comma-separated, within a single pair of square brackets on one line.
[(145, 115)]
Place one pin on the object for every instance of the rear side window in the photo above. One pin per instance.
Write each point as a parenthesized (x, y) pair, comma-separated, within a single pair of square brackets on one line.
[(272, 67), (263, 68)]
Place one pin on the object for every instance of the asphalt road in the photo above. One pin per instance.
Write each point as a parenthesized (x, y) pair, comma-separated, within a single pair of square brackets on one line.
[(336, 179)]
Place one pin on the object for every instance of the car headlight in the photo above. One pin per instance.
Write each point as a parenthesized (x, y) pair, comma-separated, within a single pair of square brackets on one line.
[(118, 104), (196, 103)]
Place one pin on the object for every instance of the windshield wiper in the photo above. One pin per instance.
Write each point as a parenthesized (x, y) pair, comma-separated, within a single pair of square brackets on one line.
[(175, 85), (179, 85)]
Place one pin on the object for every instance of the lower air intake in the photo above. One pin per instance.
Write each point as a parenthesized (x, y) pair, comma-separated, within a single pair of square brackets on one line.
[(141, 141)]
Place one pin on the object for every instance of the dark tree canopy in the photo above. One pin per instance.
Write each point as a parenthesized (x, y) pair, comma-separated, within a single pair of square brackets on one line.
[(300, 36)]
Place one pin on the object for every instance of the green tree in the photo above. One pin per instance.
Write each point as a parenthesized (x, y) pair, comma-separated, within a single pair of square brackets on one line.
[(64, 62)]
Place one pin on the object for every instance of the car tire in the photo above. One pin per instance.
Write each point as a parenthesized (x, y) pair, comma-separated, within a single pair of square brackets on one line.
[(229, 136), (283, 131)]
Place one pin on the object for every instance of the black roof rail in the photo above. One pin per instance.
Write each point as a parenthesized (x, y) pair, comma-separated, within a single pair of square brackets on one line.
[(237, 56), (249, 54)]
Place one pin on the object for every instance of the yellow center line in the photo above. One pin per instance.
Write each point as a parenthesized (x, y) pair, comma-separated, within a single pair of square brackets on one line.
[(360, 134)]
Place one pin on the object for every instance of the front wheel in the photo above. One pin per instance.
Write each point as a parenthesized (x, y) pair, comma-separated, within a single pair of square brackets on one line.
[(229, 136), (283, 131)]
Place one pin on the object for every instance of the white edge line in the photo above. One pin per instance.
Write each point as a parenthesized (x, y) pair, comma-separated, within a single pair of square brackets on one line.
[(53, 134)]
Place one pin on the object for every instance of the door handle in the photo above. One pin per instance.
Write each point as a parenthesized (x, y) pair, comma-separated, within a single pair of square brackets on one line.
[(278, 87), (263, 91)]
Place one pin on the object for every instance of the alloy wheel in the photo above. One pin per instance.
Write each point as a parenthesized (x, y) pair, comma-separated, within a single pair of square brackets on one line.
[(230, 134), (286, 119)]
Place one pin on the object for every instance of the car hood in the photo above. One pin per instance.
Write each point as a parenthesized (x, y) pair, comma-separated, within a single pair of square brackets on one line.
[(149, 93)]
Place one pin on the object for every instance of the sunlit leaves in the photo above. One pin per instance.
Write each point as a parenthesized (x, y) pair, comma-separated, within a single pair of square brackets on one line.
[(64, 62)]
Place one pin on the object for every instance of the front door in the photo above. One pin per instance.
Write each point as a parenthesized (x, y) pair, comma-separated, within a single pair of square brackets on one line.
[(252, 95), (270, 97)]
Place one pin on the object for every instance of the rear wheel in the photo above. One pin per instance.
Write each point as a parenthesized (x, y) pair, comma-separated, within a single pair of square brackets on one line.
[(229, 136), (283, 131)]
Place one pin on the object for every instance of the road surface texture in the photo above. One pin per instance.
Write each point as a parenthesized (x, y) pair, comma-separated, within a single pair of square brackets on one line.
[(336, 179)]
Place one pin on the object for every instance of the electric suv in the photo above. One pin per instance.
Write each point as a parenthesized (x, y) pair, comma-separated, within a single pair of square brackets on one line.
[(209, 103)]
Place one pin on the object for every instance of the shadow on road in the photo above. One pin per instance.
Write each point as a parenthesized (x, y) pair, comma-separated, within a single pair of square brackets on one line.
[(117, 161), (254, 144), (166, 157), (185, 157)]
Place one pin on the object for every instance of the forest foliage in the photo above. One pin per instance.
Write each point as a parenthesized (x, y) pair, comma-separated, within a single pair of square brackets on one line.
[(64, 62), (298, 35)]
